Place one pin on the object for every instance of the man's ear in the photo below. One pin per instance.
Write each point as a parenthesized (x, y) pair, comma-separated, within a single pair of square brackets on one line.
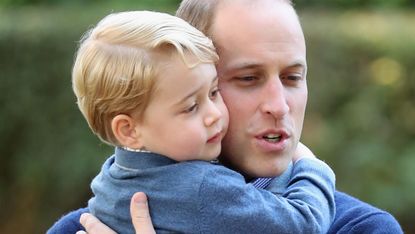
[(126, 132)]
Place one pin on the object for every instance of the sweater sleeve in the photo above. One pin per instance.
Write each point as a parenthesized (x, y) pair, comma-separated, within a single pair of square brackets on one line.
[(69, 223), (355, 216), (232, 206)]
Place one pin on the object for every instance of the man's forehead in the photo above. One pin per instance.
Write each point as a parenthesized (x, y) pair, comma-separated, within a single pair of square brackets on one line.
[(239, 16)]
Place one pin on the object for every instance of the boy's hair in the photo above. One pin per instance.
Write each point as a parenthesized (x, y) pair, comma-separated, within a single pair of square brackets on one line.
[(201, 13), (115, 71)]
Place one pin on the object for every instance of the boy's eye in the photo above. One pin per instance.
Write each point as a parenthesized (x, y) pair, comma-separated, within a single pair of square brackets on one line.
[(192, 108), (214, 93)]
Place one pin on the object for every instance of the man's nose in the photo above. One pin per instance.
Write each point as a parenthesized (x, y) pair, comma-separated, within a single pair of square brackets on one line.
[(213, 113), (274, 99)]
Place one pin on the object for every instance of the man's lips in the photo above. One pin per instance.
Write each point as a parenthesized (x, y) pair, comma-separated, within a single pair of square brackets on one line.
[(272, 140), (273, 135)]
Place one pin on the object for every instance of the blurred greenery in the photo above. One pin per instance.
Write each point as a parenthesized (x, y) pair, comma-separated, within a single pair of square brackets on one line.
[(360, 117), (361, 108), (350, 4)]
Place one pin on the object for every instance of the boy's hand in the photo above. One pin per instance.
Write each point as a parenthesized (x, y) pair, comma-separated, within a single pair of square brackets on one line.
[(140, 216), (302, 152)]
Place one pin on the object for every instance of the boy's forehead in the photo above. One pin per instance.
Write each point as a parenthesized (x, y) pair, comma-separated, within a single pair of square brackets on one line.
[(168, 56), (180, 71)]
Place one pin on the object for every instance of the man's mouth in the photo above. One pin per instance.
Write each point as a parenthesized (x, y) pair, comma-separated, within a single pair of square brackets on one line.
[(273, 138)]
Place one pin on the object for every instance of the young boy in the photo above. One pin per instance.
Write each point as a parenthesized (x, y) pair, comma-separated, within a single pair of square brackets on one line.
[(146, 83)]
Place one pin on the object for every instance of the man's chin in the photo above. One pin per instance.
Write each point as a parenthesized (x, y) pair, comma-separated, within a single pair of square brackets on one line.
[(271, 170), (258, 167)]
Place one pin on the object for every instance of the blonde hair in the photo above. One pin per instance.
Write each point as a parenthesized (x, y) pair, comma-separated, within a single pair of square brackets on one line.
[(115, 70), (201, 13)]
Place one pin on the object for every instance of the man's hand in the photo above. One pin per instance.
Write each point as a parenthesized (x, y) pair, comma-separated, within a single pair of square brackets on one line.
[(93, 225), (140, 216), (302, 152)]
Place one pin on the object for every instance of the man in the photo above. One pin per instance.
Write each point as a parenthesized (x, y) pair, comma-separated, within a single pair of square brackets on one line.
[(262, 74)]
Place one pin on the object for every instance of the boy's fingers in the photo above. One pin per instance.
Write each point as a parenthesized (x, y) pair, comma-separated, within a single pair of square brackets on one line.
[(92, 225), (140, 214)]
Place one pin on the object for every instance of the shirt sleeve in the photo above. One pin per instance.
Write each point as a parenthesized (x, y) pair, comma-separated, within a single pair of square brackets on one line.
[(69, 223), (354, 216), (229, 205)]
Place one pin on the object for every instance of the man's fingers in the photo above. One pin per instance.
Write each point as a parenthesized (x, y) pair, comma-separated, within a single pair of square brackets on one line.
[(140, 214), (93, 226), (302, 151)]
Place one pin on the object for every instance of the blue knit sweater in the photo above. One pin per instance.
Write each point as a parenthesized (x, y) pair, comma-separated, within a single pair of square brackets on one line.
[(352, 216), (201, 197)]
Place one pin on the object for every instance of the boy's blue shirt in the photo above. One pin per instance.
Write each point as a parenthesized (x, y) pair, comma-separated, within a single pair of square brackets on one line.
[(201, 197), (352, 216)]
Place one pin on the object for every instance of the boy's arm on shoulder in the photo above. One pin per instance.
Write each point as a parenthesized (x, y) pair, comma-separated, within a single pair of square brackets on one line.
[(69, 223), (311, 187), (232, 206), (355, 216)]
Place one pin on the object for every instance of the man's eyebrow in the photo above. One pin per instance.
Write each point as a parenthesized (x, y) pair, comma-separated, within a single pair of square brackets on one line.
[(243, 65), (299, 64), (252, 65)]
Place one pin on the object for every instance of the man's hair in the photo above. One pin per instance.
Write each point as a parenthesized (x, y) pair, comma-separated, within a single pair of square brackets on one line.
[(115, 68), (201, 13)]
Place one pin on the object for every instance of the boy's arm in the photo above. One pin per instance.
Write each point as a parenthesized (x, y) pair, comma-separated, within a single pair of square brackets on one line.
[(320, 197), (307, 205)]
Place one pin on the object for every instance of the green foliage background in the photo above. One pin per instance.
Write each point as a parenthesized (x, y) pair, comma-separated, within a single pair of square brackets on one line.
[(360, 117)]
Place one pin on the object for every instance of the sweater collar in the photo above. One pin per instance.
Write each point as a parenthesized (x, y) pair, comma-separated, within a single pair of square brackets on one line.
[(279, 184), (140, 160)]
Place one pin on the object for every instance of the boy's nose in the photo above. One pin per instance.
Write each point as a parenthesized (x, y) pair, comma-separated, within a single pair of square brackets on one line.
[(213, 114)]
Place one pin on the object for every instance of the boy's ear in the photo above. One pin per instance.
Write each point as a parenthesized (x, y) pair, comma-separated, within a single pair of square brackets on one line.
[(126, 132)]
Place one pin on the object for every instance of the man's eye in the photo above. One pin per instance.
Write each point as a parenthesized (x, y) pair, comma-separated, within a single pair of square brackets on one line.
[(247, 78), (293, 77)]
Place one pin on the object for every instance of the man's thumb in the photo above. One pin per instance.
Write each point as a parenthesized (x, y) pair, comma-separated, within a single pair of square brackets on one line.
[(140, 214)]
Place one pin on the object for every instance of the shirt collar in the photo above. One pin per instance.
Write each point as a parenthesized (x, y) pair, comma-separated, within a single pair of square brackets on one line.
[(140, 160)]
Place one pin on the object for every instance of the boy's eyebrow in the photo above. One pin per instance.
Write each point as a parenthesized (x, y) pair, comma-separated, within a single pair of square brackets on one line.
[(214, 79), (194, 92)]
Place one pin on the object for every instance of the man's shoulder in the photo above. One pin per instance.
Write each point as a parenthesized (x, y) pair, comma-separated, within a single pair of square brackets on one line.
[(68, 223), (355, 216)]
